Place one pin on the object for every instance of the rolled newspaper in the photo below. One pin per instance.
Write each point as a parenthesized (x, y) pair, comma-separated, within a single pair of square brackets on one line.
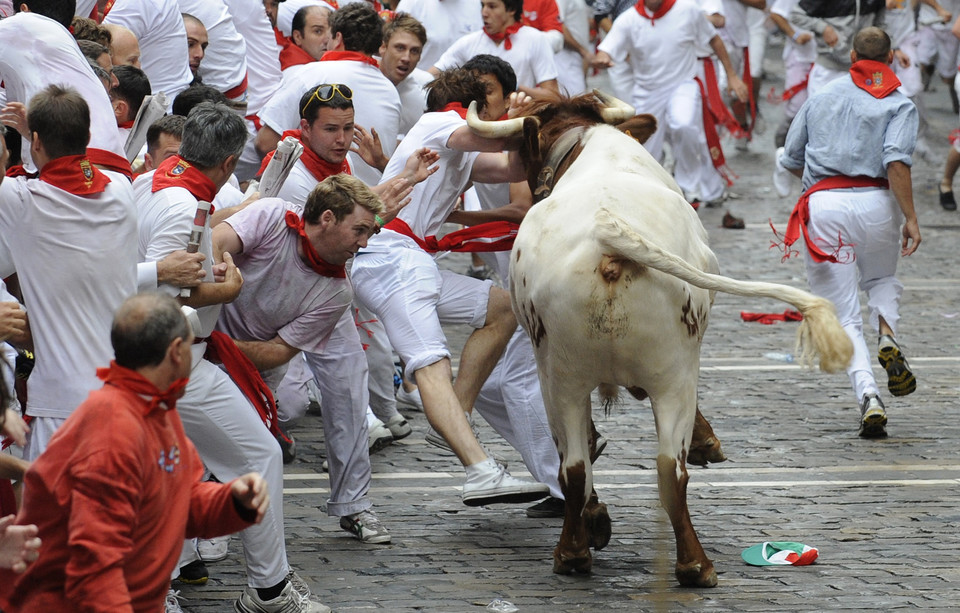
[(153, 108), (196, 235), (288, 152)]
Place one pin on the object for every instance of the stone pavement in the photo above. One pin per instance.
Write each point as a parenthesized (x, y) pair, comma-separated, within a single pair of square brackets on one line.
[(885, 514)]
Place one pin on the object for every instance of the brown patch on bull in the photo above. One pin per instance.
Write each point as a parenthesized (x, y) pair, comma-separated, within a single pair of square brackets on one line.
[(640, 128), (704, 445), (689, 318), (611, 268), (517, 254), (638, 392), (572, 553), (597, 522), (693, 568), (532, 323)]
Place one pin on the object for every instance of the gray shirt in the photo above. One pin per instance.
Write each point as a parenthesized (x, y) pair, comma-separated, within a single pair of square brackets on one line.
[(843, 130)]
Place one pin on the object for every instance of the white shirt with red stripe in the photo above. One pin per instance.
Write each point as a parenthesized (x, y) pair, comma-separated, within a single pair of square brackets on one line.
[(224, 64), (530, 54), (158, 26), (662, 54), (76, 258), (36, 52), (446, 22), (263, 53), (376, 104), (433, 199)]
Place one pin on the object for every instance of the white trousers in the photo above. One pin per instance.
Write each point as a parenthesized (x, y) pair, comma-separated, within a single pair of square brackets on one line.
[(868, 224), (233, 441), (511, 402), (570, 76)]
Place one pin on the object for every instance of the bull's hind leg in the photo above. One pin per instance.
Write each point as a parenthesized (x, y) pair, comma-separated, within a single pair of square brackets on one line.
[(704, 446), (675, 413)]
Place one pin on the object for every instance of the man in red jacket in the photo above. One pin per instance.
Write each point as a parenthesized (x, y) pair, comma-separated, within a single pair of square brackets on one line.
[(119, 484)]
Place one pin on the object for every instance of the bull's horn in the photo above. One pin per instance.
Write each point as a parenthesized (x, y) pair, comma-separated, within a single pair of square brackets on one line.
[(614, 110), (492, 129)]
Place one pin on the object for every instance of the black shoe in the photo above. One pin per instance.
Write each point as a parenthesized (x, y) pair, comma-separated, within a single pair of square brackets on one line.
[(900, 379), (873, 418), (194, 573), (288, 449), (947, 201), (548, 507)]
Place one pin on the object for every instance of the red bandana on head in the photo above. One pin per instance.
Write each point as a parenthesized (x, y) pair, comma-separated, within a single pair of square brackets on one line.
[(875, 78), (660, 12), (349, 56), (130, 380), (318, 167), (504, 36), (455, 106), (295, 222), (74, 174), (177, 172)]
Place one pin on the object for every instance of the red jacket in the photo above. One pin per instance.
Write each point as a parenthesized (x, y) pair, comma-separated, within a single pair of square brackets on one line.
[(114, 495)]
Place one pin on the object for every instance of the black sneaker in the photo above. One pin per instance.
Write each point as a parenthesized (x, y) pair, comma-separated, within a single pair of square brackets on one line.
[(947, 200), (548, 507), (288, 447), (194, 573), (873, 418), (900, 379)]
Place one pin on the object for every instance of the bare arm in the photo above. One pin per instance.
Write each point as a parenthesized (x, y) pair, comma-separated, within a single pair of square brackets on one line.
[(520, 202), (225, 239), (225, 212), (498, 168), (220, 292), (268, 354), (266, 140), (735, 84), (800, 37), (901, 184)]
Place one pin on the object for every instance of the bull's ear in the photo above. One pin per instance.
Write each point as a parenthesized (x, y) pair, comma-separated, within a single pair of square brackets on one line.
[(531, 139), (640, 127)]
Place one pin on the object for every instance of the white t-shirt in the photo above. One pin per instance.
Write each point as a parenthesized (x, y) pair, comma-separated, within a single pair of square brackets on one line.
[(446, 22), (281, 296), (224, 63), (662, 56), (376, 104), (413, 98), (263, 53), (165, 223), (735, 30), (298, 185), (433, 199), (530, 54), (76, 258), (163, 42), (37, 52)]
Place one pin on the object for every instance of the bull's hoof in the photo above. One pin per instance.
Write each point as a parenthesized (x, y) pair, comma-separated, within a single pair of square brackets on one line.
[(598, 525), (572, 562), (696, 574), (706, 451)]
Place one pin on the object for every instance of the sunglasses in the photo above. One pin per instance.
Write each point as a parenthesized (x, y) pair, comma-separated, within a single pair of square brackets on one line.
[(325, 92)]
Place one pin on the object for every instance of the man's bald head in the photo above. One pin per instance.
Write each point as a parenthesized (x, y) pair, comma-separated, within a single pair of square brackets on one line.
[(124, 48), (144, 327), (872, 44)]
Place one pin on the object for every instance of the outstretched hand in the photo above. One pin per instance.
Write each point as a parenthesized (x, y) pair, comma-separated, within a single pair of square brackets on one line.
[(368, 146), (418, 166)]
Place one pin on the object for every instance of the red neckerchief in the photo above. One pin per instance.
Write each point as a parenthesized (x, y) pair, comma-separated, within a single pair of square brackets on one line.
[(18, 170), (108, 160), (660, 12), (800, 216), (177, 172), (132, 381), (295, 222), (505, 35), (484, 237), (318, 167), (875, 78), (125, 124), (349, 56), (74, 174), (455, 106), (292, 55)]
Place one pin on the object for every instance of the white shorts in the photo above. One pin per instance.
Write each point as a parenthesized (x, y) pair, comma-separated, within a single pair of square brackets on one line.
[(939, 43), (412, 297)]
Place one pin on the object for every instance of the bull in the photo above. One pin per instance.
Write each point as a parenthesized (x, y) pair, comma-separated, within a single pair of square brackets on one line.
[(612, 277)]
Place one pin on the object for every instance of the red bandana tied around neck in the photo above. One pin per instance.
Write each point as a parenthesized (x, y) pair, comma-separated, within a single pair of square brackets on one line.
[(177, 172), (74, 174), (455, 106), (505, 35), (320, 267), (292, 55), (875, 78), (349, 56), (125, 125), (131, 380), (318, 167), (660, 12)]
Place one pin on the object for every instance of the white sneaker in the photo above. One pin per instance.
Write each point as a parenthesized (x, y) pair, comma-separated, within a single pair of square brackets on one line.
[(380, 436), (366, 526), (410, 400), (213, 550), (172, 603), (398, 427), (489, 483), (782, 180), (289, 601)]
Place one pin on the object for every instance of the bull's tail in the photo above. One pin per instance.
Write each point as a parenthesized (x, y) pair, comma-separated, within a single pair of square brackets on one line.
[(820, 332)]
